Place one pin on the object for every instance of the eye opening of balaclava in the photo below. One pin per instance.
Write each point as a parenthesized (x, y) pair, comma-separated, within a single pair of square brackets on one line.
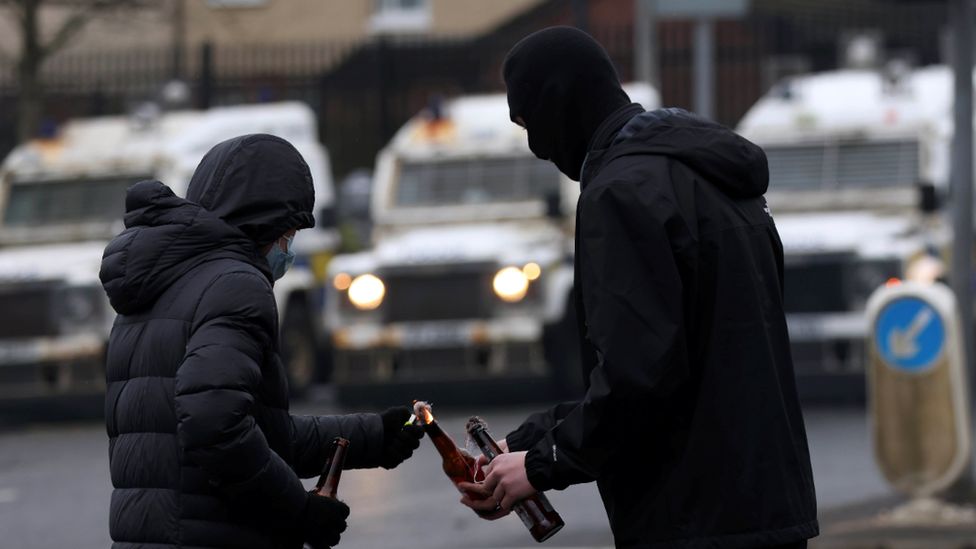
[(562, 83)]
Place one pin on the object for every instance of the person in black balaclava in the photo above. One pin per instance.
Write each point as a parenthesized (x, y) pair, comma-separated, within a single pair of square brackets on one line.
[(202, 447), (690, 423)]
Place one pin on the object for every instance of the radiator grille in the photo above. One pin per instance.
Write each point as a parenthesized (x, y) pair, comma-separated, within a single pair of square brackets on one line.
[(450, 293), (27, 310), (843, 164)]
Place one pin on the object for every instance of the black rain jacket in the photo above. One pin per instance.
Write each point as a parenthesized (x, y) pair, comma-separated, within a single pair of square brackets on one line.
[(690, 424), (203, 451)]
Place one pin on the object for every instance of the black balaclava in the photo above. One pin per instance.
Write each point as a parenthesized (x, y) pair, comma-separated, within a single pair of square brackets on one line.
[(563, 85)]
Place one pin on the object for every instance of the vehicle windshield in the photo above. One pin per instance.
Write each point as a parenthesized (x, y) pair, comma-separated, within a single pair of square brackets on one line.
[(843, 165), (475, 181), (34, 204)]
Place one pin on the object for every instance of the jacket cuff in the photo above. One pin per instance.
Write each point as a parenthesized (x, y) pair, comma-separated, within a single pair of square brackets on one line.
[(520, 439), (539, 466)]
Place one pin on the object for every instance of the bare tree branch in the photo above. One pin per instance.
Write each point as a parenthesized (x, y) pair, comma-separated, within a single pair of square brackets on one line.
[(16, 6), (71, 27)]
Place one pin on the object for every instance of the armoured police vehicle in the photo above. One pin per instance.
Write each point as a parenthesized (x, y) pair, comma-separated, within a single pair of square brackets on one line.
[(470, 274), (858, 159), (62, 199)]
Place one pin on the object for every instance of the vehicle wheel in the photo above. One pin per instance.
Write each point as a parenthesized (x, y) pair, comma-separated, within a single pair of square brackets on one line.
[(561, 343), (298, 347)]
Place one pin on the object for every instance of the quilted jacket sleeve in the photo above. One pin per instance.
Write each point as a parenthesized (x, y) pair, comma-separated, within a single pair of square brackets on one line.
[(312, 437)]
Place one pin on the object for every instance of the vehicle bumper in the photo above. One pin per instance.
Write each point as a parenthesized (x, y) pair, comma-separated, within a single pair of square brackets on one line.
[(812, 327), (52, 366), (829, 355), (439, 350)]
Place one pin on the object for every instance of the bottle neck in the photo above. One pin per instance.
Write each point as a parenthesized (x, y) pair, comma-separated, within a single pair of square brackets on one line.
[(329, 483), (441, 441), (487, 444)]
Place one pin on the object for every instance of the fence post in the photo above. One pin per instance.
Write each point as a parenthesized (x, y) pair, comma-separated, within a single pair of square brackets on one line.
[(205, 95), (383, 67)]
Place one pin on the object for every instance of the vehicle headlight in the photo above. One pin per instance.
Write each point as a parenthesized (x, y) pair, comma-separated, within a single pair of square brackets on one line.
[(511, 284), (366, 292)]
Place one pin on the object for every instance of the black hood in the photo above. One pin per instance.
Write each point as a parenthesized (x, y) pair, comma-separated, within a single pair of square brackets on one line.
[(721, 156), (562, 83), (258, 183), (165, 237)]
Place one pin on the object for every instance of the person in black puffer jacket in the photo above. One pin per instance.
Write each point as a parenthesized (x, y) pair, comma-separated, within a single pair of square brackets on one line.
[(203, 451)]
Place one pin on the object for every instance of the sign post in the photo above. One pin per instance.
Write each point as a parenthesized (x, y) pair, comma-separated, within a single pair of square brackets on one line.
[(704, 12), (918, 399)]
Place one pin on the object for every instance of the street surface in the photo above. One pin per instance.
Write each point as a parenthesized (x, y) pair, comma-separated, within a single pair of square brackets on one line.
[(55, 487)]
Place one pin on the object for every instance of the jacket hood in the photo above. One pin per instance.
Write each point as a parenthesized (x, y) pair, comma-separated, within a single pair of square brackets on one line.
[(731, 162), (258, 183), (165, 237)]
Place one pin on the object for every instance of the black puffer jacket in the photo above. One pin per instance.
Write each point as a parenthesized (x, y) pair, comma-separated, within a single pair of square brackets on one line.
[(690, 424), (203, 451)]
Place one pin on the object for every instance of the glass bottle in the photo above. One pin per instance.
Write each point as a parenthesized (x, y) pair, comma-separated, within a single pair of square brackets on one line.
[(328, 484), (535, 511)]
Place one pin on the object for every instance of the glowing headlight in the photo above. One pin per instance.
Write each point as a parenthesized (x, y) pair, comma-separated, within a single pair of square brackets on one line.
[(511, 284), (366, 292)]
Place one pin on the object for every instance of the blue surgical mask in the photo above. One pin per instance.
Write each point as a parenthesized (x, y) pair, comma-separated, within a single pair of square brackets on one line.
[(280, 261)]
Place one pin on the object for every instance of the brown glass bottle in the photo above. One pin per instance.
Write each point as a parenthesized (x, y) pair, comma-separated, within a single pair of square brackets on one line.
[(458, 464), (535, 511), (328, 484)]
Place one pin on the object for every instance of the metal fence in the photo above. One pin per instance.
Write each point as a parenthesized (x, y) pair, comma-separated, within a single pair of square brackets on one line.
[(363, 91)]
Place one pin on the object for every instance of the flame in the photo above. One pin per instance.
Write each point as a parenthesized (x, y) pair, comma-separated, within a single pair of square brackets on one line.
[(422, 410)]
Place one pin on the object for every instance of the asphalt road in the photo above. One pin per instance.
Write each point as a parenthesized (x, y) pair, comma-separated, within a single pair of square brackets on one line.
[(54, 488)]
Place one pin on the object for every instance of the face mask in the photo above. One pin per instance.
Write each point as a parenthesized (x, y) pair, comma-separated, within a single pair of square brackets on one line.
[(280, 261)]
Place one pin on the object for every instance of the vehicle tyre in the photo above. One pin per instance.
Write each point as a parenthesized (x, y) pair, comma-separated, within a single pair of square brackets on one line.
[(298, 347), (562, 350)]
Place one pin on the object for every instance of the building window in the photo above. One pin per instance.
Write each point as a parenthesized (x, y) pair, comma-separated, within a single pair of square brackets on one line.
[(400, 16)]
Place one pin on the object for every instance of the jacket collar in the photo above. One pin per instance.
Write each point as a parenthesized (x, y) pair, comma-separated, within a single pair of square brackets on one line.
[(603, 138)]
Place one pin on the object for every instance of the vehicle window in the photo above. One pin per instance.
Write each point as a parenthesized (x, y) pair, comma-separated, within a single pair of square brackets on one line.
[(475, 181), (860, 164), (32, 204)]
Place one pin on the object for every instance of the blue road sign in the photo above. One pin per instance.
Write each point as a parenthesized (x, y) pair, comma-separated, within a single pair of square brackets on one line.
[(909, 334)]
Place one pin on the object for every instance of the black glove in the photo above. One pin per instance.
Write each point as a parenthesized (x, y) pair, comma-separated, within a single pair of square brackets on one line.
[(323, 520), (399, 441)]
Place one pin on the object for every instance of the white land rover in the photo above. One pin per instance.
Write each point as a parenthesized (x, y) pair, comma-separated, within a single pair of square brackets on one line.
[(857, 159), (62, 200), (470, 274)]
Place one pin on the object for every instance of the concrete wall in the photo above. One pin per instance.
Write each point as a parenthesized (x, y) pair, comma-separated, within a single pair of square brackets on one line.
[(276, 21)]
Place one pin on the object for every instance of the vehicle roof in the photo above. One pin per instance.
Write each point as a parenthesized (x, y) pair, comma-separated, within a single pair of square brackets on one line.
[(850, 100), (479, 125), (124, 145)]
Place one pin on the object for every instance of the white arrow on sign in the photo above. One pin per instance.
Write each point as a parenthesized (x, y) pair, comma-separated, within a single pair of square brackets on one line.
[(903, 343)]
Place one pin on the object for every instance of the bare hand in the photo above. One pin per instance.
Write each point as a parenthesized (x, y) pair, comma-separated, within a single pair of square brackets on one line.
[(483, 461), (478, 498), (507, 480)]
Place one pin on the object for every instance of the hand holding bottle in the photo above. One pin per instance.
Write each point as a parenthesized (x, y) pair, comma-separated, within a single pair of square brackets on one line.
[(399, 440), (506, 483), (322, 521)]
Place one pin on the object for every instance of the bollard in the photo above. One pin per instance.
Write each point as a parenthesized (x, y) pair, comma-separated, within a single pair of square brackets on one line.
[(917, 394)]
